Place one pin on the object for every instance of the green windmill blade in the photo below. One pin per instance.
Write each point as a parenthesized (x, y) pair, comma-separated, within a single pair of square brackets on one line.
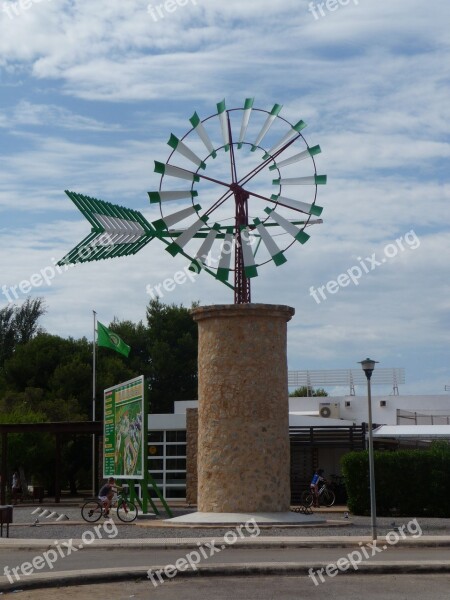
[(202, 134), (176, 217), (267, 125), (172, 171), (274, 251), (222, 110), (223, 269), (309, 209), (297, 158), (116, 231), (312, 180), (205, 248), (248, 107), (289, 227), (186, 236), (286, 138), (250, 269), (158, 197), (180, 147)]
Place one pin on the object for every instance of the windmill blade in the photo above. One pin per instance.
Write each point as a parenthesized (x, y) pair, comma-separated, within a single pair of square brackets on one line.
[(185, 151), (169, 220), (309, 209), (203, 251), (202, 134), (248, 106), (267, 125), (247, 254), (158, 197), (223, 269), (221, 109), (172, 171), (175, 247), (116, 231), (296, 158), (313, 180), (274, 251), (289, 227), (295, 130)]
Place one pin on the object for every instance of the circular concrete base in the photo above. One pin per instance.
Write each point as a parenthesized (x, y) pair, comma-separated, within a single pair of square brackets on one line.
[(268, 518)]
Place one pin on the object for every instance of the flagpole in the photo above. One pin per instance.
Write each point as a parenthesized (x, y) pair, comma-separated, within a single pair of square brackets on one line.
[(93, 403)]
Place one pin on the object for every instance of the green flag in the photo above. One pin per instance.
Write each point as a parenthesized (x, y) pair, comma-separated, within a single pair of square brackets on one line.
[(109, 339)]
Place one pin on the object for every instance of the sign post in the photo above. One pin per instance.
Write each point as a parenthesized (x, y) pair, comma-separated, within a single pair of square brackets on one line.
[(125, 451)]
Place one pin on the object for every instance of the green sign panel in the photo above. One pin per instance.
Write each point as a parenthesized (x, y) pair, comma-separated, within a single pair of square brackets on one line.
[(124, 427)]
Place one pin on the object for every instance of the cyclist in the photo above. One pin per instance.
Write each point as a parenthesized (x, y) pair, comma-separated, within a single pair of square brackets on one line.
[(106, 494), (315, 482)]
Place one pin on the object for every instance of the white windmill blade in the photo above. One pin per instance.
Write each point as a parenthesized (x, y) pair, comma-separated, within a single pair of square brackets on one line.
[(294, 131), (175, 247), (222, 110), (312, 180), (157, 197), (172, 171), (169, 220), (267, 125), (247, 254), (223, 269), (289, 227), (296, 158), (248, 106), (202, 134), (203, 251), (180, 147), (309, 209), (274, 251)]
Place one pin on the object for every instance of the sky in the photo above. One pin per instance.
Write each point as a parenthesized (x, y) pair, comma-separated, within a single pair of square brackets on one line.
[(91, 91)]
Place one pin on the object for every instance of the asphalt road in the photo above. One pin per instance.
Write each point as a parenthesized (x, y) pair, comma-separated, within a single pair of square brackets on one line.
[(88, 558), (350, 587)]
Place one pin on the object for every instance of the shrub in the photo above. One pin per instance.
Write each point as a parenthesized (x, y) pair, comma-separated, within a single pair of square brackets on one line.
[(407, 482)]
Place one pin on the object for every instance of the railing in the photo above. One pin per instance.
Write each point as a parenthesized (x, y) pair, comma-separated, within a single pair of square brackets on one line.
[(346, 377)]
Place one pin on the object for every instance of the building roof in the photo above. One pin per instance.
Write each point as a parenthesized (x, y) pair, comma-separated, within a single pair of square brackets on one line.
[(413, 432)]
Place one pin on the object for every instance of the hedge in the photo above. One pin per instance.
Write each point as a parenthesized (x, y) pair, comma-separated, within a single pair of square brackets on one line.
[(407, 482)]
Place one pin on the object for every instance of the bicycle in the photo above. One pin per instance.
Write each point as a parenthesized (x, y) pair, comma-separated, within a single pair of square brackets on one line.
[(326, 496), (93, 509)]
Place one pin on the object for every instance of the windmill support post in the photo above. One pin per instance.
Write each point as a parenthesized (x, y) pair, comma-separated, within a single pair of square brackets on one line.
[(243, 443)]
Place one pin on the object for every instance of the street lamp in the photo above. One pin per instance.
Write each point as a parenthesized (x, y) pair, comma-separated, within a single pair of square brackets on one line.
[(368, 366)]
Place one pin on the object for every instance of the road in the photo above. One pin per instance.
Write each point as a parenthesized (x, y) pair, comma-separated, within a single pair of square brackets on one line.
[(344, 587), (88, 558)]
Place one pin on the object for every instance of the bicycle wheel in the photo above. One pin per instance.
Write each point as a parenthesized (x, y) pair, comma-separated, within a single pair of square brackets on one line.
[(91, 511), (327, 498), (127, 511), (307, 498)]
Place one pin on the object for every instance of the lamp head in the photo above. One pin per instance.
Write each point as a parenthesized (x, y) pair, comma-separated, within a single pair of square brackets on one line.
[(368, 365)]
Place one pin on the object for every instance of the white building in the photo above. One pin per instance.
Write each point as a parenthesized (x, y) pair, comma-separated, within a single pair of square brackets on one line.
[(316, 439)]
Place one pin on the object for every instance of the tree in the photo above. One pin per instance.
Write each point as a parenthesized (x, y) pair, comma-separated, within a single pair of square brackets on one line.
[(305, 391), (18, 325), (173, 341)]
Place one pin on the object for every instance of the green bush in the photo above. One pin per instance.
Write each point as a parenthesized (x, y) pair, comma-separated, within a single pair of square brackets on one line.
[(407, 482)]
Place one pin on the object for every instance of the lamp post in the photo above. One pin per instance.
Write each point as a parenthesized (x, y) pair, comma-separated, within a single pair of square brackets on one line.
[(368, 366)]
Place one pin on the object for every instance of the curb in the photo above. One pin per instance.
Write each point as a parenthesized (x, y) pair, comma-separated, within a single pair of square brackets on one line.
[(93, 576), (255, 543)]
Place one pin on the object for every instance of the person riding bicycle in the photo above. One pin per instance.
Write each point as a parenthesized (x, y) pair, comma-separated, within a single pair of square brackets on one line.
[(315, 482), (106, 494)]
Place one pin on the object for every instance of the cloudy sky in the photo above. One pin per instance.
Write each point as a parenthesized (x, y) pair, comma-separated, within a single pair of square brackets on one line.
[(90, 92)]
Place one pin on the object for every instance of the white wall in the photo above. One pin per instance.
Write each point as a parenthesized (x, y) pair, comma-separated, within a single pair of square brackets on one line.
[(357, 411)]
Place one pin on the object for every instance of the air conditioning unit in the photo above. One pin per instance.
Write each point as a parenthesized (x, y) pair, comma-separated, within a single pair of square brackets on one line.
[(329, 410)]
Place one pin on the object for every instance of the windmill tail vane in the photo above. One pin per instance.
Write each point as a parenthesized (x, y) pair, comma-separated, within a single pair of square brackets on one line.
[(206, 237)]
